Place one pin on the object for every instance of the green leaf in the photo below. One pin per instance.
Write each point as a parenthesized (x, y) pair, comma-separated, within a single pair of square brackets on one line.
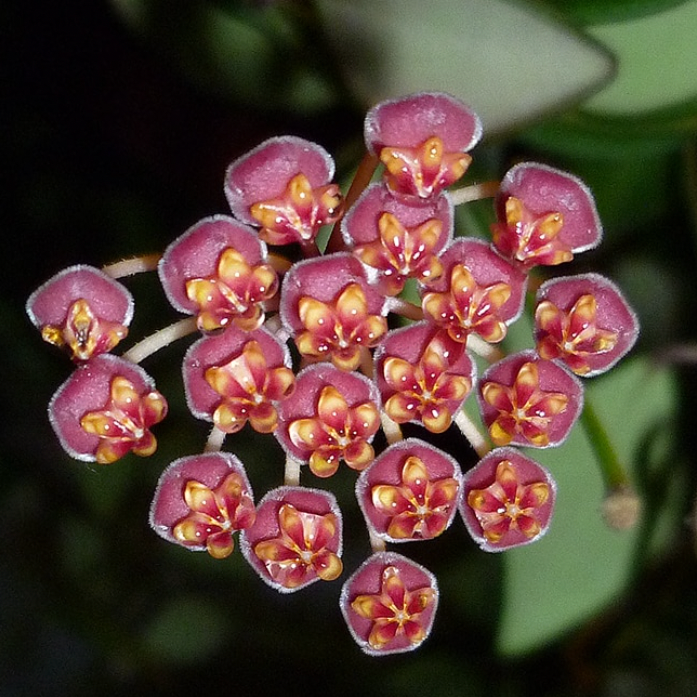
[(581, 565), (657, 62), (602, 11), (507, 61)]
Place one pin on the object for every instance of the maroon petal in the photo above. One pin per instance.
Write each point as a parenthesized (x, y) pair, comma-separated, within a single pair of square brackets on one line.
[(196, 254)]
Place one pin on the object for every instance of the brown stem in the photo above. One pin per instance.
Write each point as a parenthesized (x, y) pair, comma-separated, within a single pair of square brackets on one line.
[(361, 179)]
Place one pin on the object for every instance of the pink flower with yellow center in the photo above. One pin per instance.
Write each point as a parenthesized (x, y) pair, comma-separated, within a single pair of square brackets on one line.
[(527, 401), (340, 329), (295, 539), (215, 515), (585, 322), (217, 270), (422, 140), (466, 307), (105, 409), (409, 492), (389, 604), (530, 239), (337, 432), (123, 424), (201, 501), (428, 391), (299, 213), (249, 389), (573, 336), (544, 216), (283, 185), (508, 500), (401, 253), (83, 310), (234, 294)]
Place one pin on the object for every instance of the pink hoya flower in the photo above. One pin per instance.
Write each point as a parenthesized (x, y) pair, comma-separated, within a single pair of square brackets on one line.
[(399, 240), (296, 538), (422, 139), (217, 271), (283, 185), (528, 401), (331, 310), (409, 492), (331, 416), (585, 322), (201, 501), (423, 376), (105, 410), (507, 500), (478, 293), (389, 604), (83, 310), (236, 377), (544, 215)]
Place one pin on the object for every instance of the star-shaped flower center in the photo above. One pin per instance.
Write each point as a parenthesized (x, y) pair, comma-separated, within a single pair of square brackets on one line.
[(395, 611), (424, 170), (124, 422), (572, 336), (508, 505), (215, 515), (249, 389), (467, 307), (301, 551), (299, 213), (425, 391), (524, 409), (234, 294), (337, 432), (339, 330), (530, 239), (419, 508), (83, 333), (402, 253)]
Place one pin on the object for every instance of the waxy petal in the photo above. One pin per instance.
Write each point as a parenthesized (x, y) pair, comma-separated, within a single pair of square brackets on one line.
[(508, 500), (389, 604)]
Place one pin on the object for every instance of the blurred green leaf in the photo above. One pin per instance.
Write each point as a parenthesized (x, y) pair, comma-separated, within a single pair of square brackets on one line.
[(255, 54), (581, 565), (657, 61), (510, 62), (602, 11)]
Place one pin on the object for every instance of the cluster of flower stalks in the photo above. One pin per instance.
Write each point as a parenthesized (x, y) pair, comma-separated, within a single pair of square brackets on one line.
[(323, 353)]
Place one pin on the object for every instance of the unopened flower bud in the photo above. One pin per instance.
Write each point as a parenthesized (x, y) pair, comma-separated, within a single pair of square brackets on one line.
[(621, 508)]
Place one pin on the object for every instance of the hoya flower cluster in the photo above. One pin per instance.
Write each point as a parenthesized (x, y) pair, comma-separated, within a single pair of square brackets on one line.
[(325, 352)]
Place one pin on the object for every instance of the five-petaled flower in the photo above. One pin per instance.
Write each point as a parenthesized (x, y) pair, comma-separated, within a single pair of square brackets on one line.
[(528, 401), (585, 322), (339, 330), (234, 293), (215, 515), (283, 185), (429, 391), (83, 310), (201, 501), (296, 538), (422, 140), (337, 432), (105, 410), (508, 500), (249, 389), (389, 604), (544, 216)]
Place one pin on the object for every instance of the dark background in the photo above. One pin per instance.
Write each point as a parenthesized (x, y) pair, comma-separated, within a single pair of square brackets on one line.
[(110, 151)]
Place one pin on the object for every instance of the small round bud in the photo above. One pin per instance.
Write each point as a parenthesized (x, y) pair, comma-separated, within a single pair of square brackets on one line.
[(621, 508)]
